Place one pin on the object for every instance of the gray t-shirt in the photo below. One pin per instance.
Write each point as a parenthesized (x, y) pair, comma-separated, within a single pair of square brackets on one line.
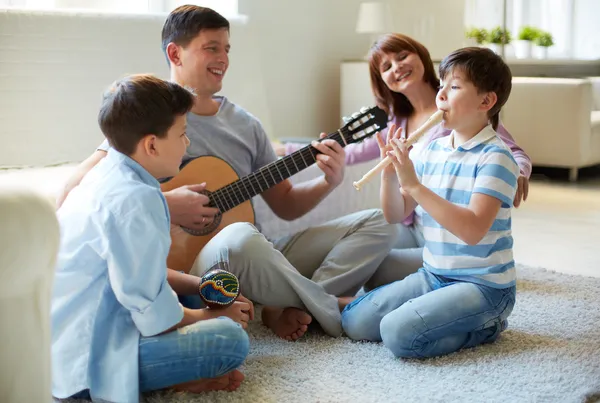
[(232, 134)]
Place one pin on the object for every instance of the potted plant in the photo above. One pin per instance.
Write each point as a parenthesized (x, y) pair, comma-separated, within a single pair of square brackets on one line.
[(523, 44), (498, 37), (477, 35), (543, 41)]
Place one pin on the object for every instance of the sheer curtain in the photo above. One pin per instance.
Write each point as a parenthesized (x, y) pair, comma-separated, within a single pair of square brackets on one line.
[(572, 23)]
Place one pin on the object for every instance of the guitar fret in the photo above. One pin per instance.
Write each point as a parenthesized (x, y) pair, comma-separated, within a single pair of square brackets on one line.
[(258, 182), (266, 182), (217, 195), (229, 196), (237, 200), (253, 190), (279, 172), (270, 172), (286, 167), (297, 169), (303, 160)]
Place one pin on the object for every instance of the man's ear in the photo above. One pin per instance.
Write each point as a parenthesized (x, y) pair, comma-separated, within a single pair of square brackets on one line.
[(174, 54), (488, 101), (149, 145)]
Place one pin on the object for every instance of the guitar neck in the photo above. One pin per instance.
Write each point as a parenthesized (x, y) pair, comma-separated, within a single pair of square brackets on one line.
[(246, 188)]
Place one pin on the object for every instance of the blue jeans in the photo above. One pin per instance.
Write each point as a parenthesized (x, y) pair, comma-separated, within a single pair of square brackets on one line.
[(206, 349), (426, 315)]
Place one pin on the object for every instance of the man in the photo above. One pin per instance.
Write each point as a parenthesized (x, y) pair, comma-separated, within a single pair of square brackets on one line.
[(303, 271)]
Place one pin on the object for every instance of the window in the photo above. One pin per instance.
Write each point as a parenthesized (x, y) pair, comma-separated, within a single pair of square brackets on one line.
[(228, 8), (572, 23)]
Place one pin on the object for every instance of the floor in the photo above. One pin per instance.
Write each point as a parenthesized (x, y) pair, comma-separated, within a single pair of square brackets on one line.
[(557, 228)]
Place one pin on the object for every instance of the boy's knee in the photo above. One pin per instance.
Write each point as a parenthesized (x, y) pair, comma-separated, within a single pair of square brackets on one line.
[(360, 325), (402, 332), (234, 335)]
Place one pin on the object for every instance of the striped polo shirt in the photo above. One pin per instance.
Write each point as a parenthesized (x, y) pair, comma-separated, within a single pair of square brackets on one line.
[(484, 164)]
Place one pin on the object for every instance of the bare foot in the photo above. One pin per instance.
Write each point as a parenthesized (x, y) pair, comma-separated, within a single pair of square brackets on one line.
[(343, 301), (229, 382), (289, 323)]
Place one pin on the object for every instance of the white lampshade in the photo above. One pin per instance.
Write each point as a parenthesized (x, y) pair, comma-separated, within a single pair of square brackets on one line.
[(373, 18)]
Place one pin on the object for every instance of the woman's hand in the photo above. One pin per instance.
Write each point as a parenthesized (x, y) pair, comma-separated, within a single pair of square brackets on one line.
[(522, 190)]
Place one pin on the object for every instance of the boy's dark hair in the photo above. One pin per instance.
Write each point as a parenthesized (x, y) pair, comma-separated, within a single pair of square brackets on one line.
[(138, 105), (486, 70), (185, 23)]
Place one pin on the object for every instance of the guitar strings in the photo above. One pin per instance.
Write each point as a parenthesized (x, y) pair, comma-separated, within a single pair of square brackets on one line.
[(304, 156)]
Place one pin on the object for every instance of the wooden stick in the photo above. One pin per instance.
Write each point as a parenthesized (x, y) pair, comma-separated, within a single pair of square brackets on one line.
[(414, 137)]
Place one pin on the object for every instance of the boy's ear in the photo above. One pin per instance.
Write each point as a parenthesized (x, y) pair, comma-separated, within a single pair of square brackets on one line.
[(149, 145), (488, 101)]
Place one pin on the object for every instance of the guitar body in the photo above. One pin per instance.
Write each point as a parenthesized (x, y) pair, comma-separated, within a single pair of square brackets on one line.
[(217, 173)]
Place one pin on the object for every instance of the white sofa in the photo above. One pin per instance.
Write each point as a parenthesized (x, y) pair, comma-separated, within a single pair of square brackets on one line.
[(556, 120), (29, 237)]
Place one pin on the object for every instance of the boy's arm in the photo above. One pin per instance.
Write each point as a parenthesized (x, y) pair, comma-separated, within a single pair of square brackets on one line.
[(396, 203), (495, 185), (470, 224), (137, 273), (81, 170)]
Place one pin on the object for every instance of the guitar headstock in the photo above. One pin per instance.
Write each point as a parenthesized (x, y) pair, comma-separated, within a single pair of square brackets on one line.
[(363, 124)]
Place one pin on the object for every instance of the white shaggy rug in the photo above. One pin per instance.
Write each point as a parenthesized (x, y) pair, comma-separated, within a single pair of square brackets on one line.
[(549, 353)]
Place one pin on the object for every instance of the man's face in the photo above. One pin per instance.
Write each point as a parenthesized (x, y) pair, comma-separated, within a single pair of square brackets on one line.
[(205, 60)]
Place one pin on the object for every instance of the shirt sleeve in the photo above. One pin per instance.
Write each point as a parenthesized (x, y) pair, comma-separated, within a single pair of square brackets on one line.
[(520, 155), (265, 154), (496, 175), (104, 146), (138, 243)]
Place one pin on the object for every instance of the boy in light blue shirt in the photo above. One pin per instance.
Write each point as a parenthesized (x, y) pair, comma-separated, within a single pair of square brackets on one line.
[(118, 328), (463, 186)]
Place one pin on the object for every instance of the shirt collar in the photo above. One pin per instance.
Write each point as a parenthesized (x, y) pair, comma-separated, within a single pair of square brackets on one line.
[(483, 136), (115, 158)]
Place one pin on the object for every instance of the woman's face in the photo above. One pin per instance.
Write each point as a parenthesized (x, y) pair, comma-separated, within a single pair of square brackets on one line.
[(399, 71)]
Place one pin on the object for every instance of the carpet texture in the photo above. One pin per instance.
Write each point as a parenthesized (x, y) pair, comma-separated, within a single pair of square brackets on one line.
[(549, 353)]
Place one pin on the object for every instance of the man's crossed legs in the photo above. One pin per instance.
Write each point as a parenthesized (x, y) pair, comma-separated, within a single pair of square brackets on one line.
[(311, 274)]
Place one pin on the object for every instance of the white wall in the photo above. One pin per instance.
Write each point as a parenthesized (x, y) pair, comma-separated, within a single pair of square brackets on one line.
[(285, 67), (301, 45)]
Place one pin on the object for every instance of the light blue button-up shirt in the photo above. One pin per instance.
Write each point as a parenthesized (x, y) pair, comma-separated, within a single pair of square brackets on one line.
[(111, 280)]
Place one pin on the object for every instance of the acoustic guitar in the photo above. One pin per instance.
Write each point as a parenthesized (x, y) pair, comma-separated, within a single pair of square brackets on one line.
[(231, 195)]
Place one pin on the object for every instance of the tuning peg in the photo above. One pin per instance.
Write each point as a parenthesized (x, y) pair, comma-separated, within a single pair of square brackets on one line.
[(364, 109), (355, 115), (346, 119)]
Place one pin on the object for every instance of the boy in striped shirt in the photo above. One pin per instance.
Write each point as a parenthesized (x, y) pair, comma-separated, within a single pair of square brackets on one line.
[(461, 188)]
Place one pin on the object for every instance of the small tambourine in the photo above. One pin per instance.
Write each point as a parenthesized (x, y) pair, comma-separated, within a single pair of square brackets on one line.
[(219, 288)]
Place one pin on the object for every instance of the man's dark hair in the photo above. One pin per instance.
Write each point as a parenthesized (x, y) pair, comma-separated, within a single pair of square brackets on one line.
[(486, 70), (138, 105), (185, 23)]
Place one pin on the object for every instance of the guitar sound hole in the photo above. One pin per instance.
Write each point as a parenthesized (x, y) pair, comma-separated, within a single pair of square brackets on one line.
[(210, 227)]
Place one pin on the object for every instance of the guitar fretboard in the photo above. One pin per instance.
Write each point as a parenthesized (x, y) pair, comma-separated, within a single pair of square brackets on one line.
[(245, 188)]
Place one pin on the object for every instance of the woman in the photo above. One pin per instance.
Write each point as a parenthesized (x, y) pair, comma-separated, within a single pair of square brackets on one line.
[(405, 85)]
